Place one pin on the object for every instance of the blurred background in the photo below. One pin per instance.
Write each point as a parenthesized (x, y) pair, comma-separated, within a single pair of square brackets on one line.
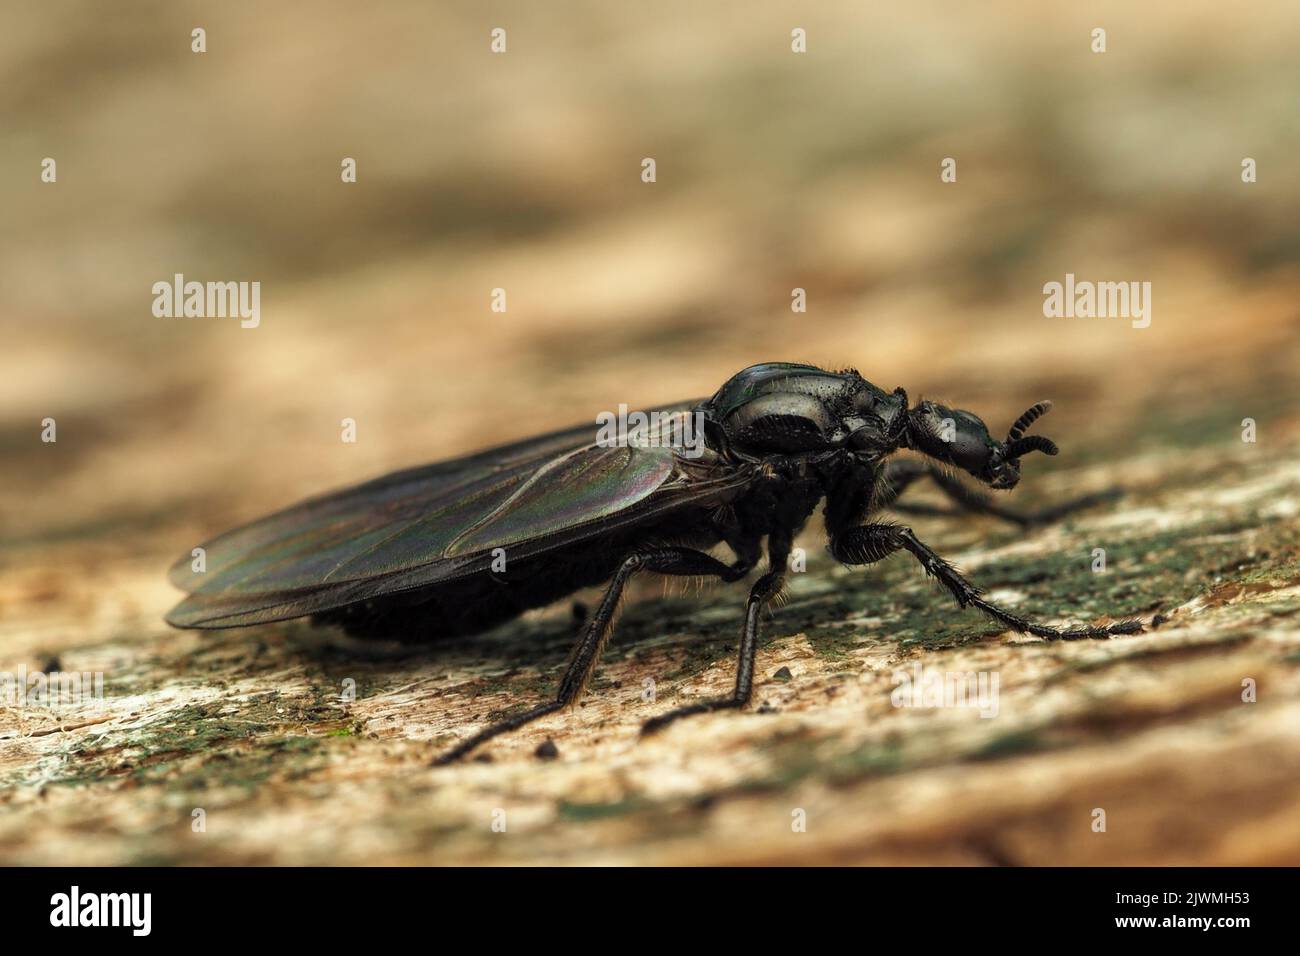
[(522, 171)]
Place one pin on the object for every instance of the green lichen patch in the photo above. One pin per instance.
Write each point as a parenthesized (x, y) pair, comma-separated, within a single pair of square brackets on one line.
[(229, 744)]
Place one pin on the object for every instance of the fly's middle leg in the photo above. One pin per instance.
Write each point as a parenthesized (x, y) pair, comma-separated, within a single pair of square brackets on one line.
[(764, 591), (672, 561)]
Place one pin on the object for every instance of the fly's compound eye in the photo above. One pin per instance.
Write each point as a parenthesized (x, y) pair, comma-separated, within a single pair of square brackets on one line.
[(970, 446), (954, 436)]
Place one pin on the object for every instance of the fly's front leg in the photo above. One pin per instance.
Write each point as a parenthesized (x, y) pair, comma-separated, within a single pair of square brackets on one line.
[(765, 589), (899, 474), (970, 499), (673, 561), (874, 542)]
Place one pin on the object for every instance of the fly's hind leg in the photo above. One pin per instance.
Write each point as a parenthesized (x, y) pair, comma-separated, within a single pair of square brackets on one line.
[(672, 561)]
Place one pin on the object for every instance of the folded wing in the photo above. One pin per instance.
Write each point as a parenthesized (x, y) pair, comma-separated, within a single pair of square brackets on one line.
[(435, 523)]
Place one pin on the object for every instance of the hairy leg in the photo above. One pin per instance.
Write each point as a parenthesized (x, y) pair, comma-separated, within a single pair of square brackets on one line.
[(672, 561), (765, 589), (874, 542)]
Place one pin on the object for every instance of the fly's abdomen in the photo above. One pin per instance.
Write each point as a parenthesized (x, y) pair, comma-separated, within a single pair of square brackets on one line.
[(476, 603)]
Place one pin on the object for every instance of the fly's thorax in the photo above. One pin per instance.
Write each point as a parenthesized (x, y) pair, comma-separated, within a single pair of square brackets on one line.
[(781, 409)]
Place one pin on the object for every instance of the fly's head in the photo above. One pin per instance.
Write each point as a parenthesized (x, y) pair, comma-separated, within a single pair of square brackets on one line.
[(783, 409), (961, 438)]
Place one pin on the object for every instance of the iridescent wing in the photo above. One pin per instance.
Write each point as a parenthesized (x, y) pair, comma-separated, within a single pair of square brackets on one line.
[(439, 522)]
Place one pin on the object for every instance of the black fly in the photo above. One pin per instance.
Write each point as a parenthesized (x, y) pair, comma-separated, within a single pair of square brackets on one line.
[(460, 546)]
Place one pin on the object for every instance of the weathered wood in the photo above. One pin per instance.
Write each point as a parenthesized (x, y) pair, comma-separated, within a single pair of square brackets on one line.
[(250, 727), (777, 171)]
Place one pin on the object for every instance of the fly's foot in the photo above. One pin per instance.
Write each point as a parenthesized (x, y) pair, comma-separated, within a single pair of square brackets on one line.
[(656, 724)]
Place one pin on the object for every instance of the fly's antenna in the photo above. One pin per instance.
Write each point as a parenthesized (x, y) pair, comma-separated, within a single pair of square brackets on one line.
[(1031, 415), (1022, 446), (1017, 444)]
